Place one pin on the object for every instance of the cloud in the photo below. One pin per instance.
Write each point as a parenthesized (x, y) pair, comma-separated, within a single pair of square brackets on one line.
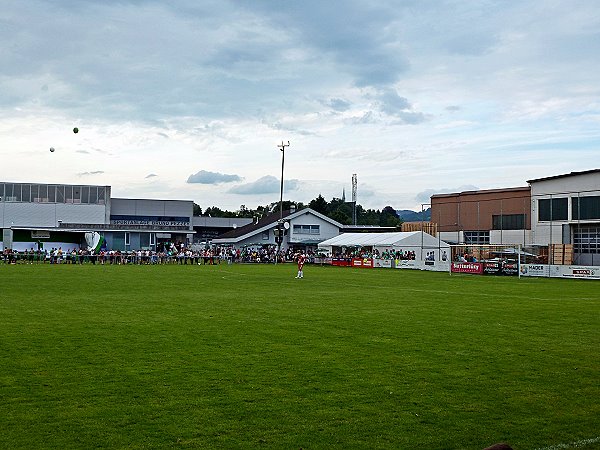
[(367, 118), (86, 174), (152, 175), (205, 177), (265, 185), (337, 104), (392, 104), (425, 196)]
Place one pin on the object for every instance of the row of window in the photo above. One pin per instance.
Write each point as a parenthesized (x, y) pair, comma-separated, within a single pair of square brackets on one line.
[(509, 222), (52, 193), (306, 229), (582, 208)]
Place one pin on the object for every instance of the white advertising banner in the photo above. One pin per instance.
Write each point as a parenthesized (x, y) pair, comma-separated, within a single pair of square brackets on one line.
[(582, 272), (556, 271), (535, 270), (385, 263), (434, 266)]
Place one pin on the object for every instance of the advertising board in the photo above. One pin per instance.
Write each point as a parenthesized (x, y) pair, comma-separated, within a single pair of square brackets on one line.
[(382, 263), (535, 270), (365, 263), (476, 268), (581, 272)]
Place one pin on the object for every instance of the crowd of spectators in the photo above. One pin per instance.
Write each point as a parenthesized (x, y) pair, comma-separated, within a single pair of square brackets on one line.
[(166, 254), (375, 254)]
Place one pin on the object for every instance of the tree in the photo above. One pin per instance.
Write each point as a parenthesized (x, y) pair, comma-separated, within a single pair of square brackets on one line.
[(319, 204), (245, 212), (389, 217), (197, 210)]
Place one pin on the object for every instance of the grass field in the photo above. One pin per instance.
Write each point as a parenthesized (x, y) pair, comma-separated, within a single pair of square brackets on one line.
[(240, 356)]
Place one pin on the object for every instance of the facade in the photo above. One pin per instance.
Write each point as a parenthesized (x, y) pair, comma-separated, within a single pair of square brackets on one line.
[(37, 216), (565, 209), (148, 224), (495, 216)]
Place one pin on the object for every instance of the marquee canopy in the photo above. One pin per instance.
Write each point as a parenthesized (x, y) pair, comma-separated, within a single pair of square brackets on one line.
[(404, 239)]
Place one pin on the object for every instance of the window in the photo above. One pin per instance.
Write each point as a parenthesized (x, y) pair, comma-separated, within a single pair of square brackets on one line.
[(68, 194), (553, 209), (43, 193), (93, 195), (17, 193), (60, 194), (307, 229), (52, 194), (76, 194), (26, 193), (35, 193), (477, 237), (508, 222), (85, 194), (101, 196), (585, 208), (586, 239), (8, 192)]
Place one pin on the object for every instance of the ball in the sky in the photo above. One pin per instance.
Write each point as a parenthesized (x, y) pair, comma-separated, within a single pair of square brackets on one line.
[(52, 149), (75, 130)]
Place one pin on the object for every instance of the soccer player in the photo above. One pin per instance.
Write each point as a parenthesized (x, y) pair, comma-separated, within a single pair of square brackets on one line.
[(300, 258)]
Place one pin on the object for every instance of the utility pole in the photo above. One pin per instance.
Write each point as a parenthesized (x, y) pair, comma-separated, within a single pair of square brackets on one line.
[(279, 233), (354, 189)]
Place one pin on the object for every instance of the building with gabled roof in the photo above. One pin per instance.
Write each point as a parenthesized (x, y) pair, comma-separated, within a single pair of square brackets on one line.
[(304, 229)]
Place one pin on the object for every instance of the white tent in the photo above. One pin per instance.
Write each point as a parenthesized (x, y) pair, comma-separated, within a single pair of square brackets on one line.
[(418, 242)]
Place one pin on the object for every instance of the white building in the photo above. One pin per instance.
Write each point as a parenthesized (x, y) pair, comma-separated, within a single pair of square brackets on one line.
[(565, 209), (34, 215), (305, 228)]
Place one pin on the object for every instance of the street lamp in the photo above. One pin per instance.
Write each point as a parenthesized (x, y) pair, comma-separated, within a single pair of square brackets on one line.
[(279, 235)]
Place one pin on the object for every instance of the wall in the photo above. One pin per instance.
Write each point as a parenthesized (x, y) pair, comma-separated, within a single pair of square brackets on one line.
[(571, 186), (473, 210), (162, 208), (327, 230), (48, 214)]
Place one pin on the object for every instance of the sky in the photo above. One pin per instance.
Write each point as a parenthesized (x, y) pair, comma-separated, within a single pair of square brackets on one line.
[(190, 99)]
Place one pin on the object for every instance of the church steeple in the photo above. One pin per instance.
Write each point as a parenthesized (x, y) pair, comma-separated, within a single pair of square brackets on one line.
[(344, 194)]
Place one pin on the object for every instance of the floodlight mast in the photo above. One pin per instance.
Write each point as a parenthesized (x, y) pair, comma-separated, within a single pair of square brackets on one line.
[(279, 235)]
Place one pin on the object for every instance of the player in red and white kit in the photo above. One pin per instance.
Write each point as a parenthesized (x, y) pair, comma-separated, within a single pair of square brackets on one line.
[(301, 258)]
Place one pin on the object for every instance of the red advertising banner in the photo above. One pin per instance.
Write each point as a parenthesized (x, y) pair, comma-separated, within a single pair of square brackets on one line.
[(365, 263), (467, 268), (341, 262)]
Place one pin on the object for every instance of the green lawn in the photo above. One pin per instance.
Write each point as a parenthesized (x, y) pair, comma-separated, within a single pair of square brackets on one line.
[(240, 356)]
